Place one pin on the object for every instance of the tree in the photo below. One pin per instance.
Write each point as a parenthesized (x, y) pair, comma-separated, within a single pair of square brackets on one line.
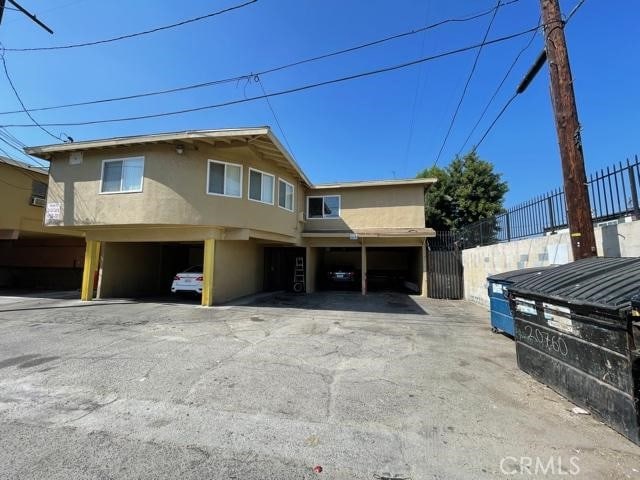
[(468, 190)]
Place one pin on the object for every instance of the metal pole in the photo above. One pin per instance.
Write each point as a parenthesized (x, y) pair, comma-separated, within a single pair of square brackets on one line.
[(634, 191), (552, 220), (583, 242)]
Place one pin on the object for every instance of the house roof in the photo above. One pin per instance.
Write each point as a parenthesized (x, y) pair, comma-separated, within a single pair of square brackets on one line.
[(376, 183), (24, 166), (261, 139)]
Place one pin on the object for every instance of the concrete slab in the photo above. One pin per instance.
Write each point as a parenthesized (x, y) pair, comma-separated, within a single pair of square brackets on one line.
[(383, 386)]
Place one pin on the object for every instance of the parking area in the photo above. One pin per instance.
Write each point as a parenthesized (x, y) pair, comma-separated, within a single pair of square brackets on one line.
[(376, 387)]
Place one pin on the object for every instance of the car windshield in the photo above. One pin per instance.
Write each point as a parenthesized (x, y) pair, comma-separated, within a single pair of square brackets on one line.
[(194, 269)]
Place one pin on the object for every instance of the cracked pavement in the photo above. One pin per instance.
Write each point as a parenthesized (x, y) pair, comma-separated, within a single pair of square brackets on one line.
[(383, 386)]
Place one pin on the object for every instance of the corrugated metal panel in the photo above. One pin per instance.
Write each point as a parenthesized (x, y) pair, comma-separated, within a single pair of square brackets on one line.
[(606, 283)]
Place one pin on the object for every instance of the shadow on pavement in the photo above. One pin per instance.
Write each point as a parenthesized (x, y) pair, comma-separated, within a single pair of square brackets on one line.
[(377, 302)]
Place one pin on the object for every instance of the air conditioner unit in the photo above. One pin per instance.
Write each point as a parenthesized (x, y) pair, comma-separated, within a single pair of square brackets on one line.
[(38, 202)]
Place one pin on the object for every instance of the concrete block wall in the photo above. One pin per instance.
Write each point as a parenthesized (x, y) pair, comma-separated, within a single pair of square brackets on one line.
[(620, 240)]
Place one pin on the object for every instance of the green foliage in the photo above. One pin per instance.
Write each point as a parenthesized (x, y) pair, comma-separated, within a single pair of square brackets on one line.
[(468, 190)]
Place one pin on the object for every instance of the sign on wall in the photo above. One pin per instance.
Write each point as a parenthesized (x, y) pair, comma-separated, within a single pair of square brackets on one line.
[(53, 213)]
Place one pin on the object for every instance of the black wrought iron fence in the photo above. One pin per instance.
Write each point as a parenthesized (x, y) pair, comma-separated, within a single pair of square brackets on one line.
[(613, 194)]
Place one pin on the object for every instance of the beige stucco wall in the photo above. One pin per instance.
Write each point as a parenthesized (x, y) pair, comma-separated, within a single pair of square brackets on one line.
[(239, 269), (373, 207), (621, 240), (15, 190), (174, 191)]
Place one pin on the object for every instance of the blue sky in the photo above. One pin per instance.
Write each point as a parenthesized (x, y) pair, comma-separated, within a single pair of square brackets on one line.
[(349, 131)]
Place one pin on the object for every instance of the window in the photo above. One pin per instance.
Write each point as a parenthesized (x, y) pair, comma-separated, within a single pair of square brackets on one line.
[(224, 179), (285, 195), (38, 189), (261, 186), (122, 175), (323, 207)]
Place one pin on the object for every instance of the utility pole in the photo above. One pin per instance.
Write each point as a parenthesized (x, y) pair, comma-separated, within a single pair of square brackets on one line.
[(583, 243), (21, 9)]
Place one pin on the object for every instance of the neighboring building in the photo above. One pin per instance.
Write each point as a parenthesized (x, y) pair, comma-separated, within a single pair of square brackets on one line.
[(32, 256), (232, 200)]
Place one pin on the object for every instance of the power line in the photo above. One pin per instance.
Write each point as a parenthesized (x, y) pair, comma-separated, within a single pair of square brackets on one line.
[(466, 85), (238, 78), (273, 112), (132, 35), (416, 96), (24, 109), (527, 79), (287, 91), (21, 152), (504, 109), (13, 142), (497, 90)]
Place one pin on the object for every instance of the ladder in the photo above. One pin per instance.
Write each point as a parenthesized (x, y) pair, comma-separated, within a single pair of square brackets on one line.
[(298, 275)]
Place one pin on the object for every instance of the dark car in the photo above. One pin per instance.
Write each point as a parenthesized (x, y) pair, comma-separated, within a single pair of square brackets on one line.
[(342, 274)]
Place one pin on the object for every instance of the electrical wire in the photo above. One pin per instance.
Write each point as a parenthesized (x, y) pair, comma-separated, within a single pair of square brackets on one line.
[(504, 109), (512, 98), (416, 96), (132, 35), (21, 152), (497, 90), (273, 112), (24, 109), (14, 143), (466, 85), (238, 78), (287, 91)]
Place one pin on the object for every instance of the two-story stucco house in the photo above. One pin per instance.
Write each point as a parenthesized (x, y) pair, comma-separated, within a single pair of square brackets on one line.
[(233, 201)]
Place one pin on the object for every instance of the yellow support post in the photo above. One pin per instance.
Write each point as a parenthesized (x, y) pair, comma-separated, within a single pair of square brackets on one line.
[(208, 272), (91, 262)]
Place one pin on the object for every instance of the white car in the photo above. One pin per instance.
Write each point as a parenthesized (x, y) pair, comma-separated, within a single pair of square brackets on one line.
[(188, 281)]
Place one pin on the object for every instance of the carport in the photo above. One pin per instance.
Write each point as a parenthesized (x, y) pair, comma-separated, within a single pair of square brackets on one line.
[(42, 262), (386, 268), (390, 259), (32, 256), (144, 269)]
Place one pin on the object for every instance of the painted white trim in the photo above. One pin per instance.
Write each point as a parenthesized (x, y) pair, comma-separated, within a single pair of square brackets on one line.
[(123, 160), (273, 187), (323, 217), (293, 196), (224, 180)]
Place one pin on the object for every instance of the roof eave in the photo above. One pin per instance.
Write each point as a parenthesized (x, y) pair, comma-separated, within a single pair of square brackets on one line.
[(161, 137)]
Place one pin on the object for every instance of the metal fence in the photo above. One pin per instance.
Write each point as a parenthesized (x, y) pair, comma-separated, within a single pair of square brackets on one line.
[(613, 194)]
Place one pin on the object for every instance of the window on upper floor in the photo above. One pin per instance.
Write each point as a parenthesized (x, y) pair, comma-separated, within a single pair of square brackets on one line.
[(123, 175), (285, 195), (323, 207), (38, 189), (224, 179), (261, 186)]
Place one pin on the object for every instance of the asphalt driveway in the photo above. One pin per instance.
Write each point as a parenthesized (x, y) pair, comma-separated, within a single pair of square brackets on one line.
[(387, 386)]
